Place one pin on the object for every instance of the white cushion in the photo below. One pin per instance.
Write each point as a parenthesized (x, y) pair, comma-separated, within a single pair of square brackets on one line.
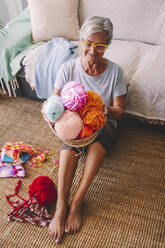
[(140, 20), (52, 18)]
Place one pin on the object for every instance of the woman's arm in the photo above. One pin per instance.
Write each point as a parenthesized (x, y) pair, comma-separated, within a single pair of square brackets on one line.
[(116, 111)]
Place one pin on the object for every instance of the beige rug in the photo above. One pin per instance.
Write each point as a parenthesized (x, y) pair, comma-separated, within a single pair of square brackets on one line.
[(125, 205)]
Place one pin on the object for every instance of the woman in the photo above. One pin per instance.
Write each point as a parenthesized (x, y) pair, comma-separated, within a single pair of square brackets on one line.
[(105, 78)]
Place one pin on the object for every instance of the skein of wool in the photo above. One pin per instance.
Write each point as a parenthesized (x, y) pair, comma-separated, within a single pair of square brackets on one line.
[(92, 116), (85, 132), (69, 125), (73, 96), (95, 99), (43, 189), (53, 108)]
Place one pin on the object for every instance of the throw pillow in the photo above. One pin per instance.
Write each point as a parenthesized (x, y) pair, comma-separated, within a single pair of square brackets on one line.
[(52, 18)]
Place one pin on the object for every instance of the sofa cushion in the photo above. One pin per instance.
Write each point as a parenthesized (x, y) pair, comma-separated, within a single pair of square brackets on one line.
[(51, 18), (147, 85), (126, 54), (132, 19), (143, 66)]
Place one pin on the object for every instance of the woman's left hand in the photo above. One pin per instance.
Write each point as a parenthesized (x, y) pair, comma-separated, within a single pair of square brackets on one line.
[(105, 109)]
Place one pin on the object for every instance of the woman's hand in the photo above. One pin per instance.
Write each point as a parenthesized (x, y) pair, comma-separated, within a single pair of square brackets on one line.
[(105, 109), (56, 92), (116, 111)]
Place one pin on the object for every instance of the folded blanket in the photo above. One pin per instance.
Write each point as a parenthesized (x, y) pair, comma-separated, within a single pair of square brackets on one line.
[(29, 63), (14, 45), (51, 56)]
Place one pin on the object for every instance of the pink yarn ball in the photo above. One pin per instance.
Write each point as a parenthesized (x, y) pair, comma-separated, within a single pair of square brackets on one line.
[(69, 125), (73, 96)]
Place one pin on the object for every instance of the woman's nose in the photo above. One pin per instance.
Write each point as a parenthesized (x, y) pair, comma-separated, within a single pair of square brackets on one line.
[(92, 49)]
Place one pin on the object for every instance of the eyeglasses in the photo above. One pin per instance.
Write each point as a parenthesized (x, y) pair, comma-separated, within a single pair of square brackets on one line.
[(100, 48)]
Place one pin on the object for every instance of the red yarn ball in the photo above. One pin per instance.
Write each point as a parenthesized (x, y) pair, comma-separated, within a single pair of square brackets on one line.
[(43, 189)]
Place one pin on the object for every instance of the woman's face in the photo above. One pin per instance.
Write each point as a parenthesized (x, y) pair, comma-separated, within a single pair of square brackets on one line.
[(90, 52)]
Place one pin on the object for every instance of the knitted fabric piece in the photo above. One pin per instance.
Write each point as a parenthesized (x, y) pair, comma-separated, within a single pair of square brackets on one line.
[(35, 214), (10, 170), (30, 210), (15, 149)]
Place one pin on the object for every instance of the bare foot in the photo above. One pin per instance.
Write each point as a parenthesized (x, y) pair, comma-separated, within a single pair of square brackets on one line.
[(73, 221), (56, 227)]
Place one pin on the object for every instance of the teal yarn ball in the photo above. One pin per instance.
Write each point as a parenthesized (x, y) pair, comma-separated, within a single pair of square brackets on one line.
[(53, 108)]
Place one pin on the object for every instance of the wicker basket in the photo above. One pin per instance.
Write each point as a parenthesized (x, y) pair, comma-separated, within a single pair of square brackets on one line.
[(76, 142)]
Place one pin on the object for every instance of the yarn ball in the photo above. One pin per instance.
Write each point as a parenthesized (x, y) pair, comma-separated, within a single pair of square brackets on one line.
[(73, 96), (69, 125), (43, 189), (53, 108), (85, 132), (95, 99), (92, 116)]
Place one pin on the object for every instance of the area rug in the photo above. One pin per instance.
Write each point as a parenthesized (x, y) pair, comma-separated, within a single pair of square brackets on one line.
[(125, 205)]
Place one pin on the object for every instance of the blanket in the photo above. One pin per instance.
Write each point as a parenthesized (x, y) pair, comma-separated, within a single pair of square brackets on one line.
[(51, 56), (29, 66), (14, 45)]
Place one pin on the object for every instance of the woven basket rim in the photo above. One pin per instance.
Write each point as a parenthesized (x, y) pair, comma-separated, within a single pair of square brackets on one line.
[(77, 142)]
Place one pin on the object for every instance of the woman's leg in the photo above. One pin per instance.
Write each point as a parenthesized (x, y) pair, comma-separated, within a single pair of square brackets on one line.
[(95, 155), (68, 164)]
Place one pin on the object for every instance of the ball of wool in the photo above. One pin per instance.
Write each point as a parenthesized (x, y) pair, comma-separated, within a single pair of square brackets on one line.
[(92, 116), (73, 96), (85, 132), (95, 99), (69, 125), (53, 108), (43, 189)]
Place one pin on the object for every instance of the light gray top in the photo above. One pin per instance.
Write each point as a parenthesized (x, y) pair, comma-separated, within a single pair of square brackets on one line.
[(107, 85)]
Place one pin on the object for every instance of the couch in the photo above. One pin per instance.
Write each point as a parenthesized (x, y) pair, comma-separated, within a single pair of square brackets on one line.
[(138, 45)]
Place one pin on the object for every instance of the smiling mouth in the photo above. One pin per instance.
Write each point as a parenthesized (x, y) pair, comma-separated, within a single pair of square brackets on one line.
[(92, 55)]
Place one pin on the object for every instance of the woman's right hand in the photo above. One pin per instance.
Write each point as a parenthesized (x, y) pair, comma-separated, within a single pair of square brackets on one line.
[(56, 92)]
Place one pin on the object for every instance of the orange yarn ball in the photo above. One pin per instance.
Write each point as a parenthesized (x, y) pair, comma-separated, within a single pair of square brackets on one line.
[(92, 116), (95, 99), (85, 132)]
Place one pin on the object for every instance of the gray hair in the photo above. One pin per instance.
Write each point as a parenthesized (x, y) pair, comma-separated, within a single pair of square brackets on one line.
[(96, 24)]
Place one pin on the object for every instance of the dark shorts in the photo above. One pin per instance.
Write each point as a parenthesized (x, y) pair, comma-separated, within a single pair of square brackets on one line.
[(106, 137)]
